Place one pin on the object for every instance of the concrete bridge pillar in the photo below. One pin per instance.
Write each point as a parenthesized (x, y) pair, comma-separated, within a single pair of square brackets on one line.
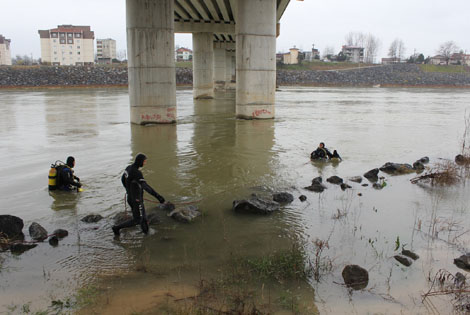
[(229, 68), (151, 61), (219, 65), (203, 65), (256, 58)]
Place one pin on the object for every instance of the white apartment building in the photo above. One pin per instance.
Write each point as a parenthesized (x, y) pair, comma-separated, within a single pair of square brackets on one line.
[(5, 53), (353, 53), (105, 50), (67, 45), (184, 54)]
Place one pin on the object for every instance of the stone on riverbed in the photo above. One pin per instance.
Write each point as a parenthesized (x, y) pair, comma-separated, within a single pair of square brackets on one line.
[(19, 248), (463, 262), (355, 277), (255, 205), (317, 180), (397, 168), (283, 197), (356, 179), (61, 233), (37, 232), (403, 260), (372, 175), (336, 180), (11, 226), (302, 198), (92, 218), (53, 241), (186, 214), (316, 188), (345, 186), (410, 254)]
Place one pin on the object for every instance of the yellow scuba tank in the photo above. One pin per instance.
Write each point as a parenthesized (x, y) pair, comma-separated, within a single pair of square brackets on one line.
[(53, 177)]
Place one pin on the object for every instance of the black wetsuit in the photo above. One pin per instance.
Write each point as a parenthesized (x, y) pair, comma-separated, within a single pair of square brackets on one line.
[(135, 184), (321, 153), (66, 180)]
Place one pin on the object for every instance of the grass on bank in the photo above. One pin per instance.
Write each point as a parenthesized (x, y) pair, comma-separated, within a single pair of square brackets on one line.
[(445, 69)]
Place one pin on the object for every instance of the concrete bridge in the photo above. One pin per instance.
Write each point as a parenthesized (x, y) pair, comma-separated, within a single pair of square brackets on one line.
[(227, 35)]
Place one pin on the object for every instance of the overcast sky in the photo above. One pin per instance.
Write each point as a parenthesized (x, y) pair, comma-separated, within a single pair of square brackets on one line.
[(422, 24)]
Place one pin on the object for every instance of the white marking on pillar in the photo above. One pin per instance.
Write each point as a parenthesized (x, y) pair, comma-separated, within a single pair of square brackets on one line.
[(150, 46), (256, 59), (203, 65)]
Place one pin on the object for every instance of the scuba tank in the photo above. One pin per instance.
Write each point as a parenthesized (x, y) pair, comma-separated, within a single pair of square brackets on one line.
[(53, 173)]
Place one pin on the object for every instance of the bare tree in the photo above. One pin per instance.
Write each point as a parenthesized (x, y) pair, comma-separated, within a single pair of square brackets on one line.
[(447, 49), (397, 49), (371, 47), (328, 51), (355, 39)]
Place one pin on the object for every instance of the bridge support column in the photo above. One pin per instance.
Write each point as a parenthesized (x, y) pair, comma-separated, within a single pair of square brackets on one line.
[(203, 65), (151, 61), (256, 59), (229, 68), (219, 66)]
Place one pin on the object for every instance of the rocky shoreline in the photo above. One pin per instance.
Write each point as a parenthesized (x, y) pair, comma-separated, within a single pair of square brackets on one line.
[(401, 75)]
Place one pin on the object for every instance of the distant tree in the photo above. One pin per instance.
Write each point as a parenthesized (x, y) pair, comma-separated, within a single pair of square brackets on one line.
[(396, 49), (420, 58), (328, 51), (447, 49), (355, 39), (371, 47)]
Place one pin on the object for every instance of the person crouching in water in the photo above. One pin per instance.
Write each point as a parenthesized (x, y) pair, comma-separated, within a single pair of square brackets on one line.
[(322, 153), (67, 180), (135, 184)]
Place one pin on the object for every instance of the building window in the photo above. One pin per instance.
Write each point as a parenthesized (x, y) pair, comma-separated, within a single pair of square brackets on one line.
[(55, 58), (70, 41), (70, 53), (55, 52), (54, 40), (78, 53), (71, 47), (78, 47), (69, 35), (54, 34), (62, 41), (62, 34), (78, 41), (78, 35)]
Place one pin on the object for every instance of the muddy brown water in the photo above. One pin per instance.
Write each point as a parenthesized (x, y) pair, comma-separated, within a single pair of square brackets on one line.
[(212, 158)]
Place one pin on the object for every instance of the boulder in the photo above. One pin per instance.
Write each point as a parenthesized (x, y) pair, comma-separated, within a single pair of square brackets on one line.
[(316, 188), (418, 166), (459, 280), (377, 186), (365, 185), (424, 160), (336, 180), (463, 262), (283, 197), (355, 277), (356, 179), (403, 260), (186, 214), (37, 232), (255, 205), (167, 206), (152, 219), (61, 233), (11, 226), (54, 241), (302, 198), (372, 175), (92, 218), (460, 159), (345, 186), (410, 254), (397, 168), (317, 180), (19, 248)]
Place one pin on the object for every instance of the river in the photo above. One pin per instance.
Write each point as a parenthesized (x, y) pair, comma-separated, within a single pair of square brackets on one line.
[(210, 158)]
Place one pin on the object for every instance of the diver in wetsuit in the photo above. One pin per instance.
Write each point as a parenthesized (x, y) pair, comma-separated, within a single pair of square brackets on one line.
[(66, 179), (135, 184), (322, 153)]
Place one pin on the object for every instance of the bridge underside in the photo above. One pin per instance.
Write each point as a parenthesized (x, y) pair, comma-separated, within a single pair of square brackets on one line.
[(225, 33)]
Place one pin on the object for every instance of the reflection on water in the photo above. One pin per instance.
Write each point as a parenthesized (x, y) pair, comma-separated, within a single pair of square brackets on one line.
[(212, 159)]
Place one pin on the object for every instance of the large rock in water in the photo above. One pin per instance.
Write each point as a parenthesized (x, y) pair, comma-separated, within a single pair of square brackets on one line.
[(397, 168), (336, 180), (255, 205), (186, 214), (463, 262), (372, 175), (19, 248), (11, 226), (283, 197), (403, 260), (37, 232), (92, 218), (355, 277)]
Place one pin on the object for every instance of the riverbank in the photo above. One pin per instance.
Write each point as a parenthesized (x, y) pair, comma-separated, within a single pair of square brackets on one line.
[(400, 75)]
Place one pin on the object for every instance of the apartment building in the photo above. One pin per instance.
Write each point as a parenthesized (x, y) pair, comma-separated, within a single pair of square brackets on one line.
[(184, 54), (5, 53), (67, 45), (353, 53), (105, 50)]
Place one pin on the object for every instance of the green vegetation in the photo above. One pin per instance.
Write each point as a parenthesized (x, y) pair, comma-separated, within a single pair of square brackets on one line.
[(320, 65), (184, 64), (446, 69)]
